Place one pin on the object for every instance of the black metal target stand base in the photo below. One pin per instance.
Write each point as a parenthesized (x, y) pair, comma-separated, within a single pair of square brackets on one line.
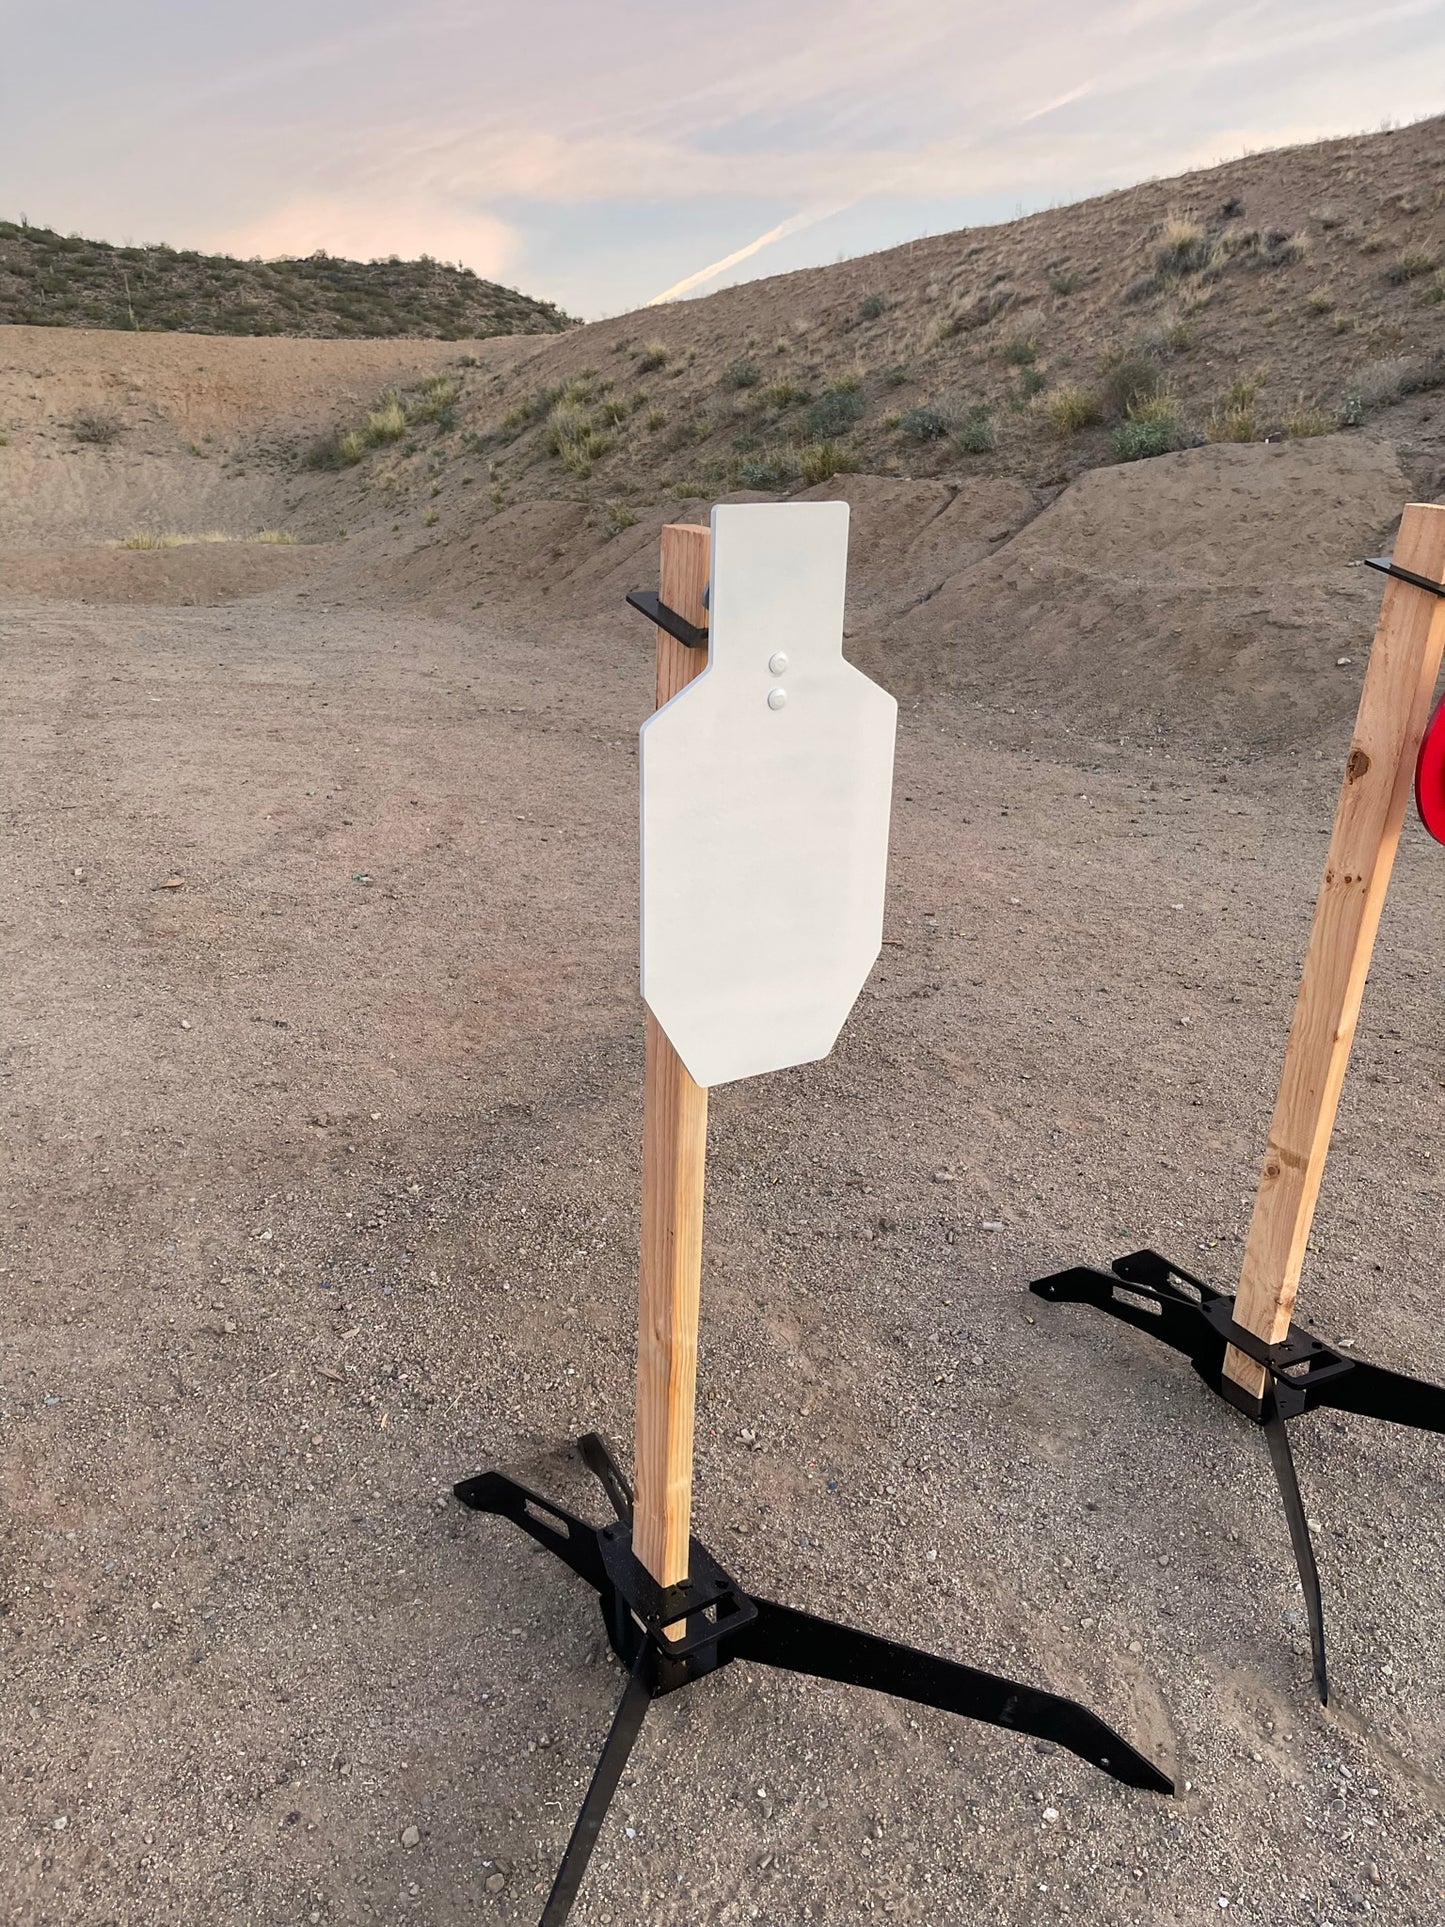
[(722, 1623), (1301, 1373)]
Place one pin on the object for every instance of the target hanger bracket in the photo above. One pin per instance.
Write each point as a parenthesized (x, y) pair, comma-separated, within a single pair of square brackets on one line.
[(1387, 565), (649, 603)]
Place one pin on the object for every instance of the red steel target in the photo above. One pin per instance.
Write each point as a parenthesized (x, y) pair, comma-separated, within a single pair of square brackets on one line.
[(1430, 777)]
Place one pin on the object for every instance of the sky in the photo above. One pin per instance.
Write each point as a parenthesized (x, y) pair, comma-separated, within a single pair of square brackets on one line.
[(608, 153)]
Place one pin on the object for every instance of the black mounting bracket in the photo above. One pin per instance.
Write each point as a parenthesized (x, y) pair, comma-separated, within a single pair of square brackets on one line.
[(1301, 1373), (648, 603), (722, 1623), (1387, 566)]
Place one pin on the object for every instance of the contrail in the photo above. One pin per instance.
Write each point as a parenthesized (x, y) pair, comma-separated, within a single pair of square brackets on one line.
[(790, 226)]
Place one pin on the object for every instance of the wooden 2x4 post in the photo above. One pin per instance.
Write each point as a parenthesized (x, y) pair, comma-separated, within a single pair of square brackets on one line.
[(674, 1160), (1379, 772)]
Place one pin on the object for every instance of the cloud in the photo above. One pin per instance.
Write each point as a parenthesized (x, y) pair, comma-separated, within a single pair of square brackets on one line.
[(794, 224), (567, 146), (366, 228), (1053, 106)]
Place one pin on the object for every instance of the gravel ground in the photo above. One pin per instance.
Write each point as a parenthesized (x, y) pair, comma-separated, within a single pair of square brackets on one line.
[(321, 1192)]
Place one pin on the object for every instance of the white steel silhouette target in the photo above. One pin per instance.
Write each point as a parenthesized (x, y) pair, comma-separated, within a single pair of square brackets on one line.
[(766, 785)]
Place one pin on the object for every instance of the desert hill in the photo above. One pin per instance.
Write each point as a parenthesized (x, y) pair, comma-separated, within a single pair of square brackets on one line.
[(1154, 430), (62, 281)]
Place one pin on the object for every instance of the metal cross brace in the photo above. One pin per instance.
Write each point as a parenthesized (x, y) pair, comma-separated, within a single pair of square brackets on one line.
[(1301, 1373), (722, 1623)]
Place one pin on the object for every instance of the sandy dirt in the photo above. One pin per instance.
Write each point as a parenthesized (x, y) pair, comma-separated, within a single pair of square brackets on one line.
[(321, 1180), (321, 1174)]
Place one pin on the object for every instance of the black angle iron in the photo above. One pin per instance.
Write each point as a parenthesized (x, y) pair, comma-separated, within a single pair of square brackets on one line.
[(1301, 1373), (722, 1623)]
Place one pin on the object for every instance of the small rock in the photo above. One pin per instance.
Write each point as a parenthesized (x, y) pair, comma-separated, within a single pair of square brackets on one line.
[(1051, 1814), (185, 1023), (994, 1224), (411, 1836), (1343, 662), (1376, 1877), (495, 1882), (1135, 1647), (61, 1823), (945, 1176)]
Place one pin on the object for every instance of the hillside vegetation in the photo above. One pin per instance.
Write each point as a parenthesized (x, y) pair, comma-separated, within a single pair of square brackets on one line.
[(1290, 294), (61, 281)]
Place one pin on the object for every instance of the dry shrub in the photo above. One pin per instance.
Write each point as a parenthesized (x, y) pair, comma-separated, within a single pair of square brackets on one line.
[(386, 423), (821, 460), (1306, 419), (1183, 246), (1128, 377), (1070, 408), (97, 426)]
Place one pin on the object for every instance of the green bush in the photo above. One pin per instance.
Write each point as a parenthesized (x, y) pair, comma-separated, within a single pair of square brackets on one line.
[(977, 436), (925, 423), (1135, 441), (770, 471), (1020, 351), (833, 413), (783, 394), (741, 374), (574, 438), (873, 305), (434, 401)]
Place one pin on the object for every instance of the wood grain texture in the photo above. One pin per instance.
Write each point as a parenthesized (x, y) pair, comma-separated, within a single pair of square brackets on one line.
[(674, 1158), (1379, 775)]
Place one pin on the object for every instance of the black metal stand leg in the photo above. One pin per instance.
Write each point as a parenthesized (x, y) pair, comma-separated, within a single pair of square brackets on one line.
[(722, 1623), (784, 1637), (1299, 1534), (1301, 1373), (601, 1461), (626, 1725), (571, 1539)]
